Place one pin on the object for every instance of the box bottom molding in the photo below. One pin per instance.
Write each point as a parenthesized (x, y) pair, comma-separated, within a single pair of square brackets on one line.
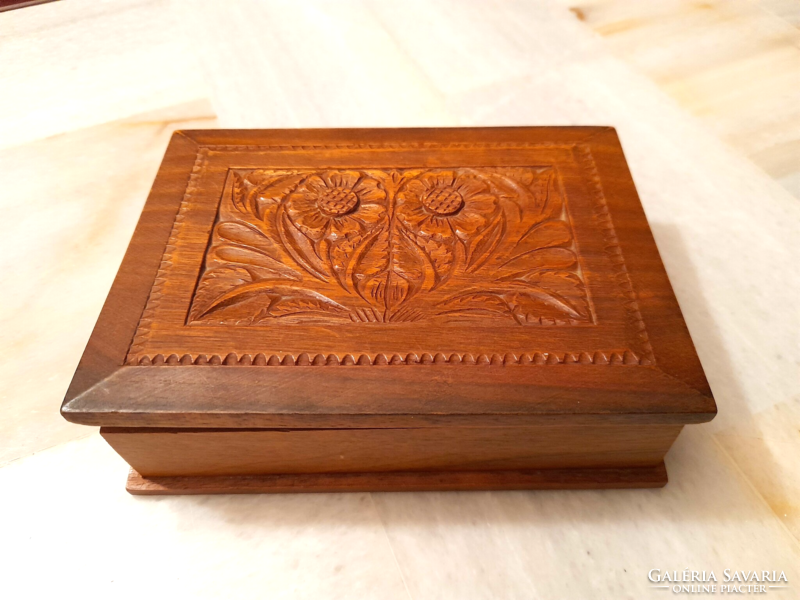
[(402, 481)]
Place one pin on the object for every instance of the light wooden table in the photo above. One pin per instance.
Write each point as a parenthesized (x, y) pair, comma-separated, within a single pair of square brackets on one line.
[(706, 98)]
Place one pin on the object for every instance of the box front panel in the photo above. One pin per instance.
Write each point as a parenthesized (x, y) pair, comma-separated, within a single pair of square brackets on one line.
[(259, 452)]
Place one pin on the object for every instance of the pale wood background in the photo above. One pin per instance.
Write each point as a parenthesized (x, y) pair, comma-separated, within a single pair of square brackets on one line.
[(706, 98)]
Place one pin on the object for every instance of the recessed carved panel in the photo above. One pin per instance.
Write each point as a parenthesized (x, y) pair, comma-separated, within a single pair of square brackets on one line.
[(392, 246)]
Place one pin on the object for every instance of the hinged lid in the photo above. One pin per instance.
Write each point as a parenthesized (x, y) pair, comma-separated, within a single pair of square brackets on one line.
[(372, 278)]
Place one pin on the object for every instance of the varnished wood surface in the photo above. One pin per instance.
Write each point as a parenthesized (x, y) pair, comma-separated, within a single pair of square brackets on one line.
[(160, 452), (391, 301), (542, 479), (392, 246), (239, 222), (424, 395), (483, 65)]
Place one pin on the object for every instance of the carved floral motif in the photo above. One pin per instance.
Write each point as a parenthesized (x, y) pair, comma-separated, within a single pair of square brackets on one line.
[(392, 246)]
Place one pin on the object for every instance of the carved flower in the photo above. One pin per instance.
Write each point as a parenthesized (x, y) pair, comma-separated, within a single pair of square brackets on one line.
[(334, 203), (442, 204)]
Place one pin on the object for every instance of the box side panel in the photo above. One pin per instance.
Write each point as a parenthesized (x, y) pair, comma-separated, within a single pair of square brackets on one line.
[(154, 452)]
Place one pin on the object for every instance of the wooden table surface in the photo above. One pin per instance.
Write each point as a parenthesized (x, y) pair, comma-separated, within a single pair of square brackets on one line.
[(706, 99)]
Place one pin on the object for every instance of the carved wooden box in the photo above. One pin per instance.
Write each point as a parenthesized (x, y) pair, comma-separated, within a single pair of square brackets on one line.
[(321, 310)]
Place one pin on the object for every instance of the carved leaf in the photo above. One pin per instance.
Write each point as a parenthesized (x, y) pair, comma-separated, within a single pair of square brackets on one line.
[(245, 235), (242, 255), (342, 252), (522, 187), (390, 271), (260, 247), (549, 294), (238, 193), (376, 256), (480, 249), (475, 301), (260, 189), (271, 293), (520, 175), (543, 235), (554, 204), (214, 284), (244, 244), (263, 265), (273, 190), (546, 258), (439, 252), (284, 307), (559, 290), (537, 303), (300, 247)]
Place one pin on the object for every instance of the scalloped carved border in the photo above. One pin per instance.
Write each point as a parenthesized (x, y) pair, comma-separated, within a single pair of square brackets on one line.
[(625, 357)]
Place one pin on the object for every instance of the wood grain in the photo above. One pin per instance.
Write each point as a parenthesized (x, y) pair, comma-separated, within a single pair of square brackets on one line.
[(164, 452), (610, 277), (425, 481), (361, 289)]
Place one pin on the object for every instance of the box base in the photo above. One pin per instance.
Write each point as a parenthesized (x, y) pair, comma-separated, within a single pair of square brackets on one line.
[(399, 481)]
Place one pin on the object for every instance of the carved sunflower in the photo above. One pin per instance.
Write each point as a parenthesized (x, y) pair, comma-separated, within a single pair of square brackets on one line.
[(442, 205), (335, 203)]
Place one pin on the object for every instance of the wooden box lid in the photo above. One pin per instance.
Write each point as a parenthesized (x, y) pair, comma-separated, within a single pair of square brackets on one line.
[(390, 278)]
